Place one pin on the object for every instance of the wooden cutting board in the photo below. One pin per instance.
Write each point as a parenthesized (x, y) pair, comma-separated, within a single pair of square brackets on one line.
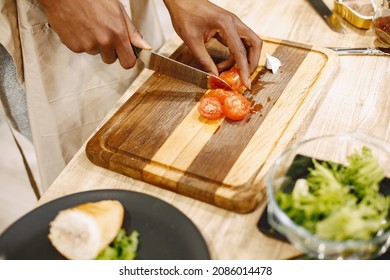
[(159, 137)]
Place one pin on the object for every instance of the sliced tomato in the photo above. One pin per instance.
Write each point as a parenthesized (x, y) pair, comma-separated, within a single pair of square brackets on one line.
[(236, 107), (220, 94), (232, 77), (233, 104), (217, 84), (210, 107)]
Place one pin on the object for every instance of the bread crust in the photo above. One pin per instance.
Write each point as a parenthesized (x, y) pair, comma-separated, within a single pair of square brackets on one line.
[(83, 231)]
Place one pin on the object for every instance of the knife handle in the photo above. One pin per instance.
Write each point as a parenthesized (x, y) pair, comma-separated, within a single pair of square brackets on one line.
[(321, 8)]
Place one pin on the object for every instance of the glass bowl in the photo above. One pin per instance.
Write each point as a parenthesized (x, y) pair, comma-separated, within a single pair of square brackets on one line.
[(293, 163)]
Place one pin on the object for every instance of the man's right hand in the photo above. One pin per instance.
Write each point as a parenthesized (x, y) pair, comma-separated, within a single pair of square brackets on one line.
[(95, 27)]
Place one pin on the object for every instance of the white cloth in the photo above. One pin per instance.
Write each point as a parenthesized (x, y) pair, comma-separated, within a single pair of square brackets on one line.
[(68, 94)]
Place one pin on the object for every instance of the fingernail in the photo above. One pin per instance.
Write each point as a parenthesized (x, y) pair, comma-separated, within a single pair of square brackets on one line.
[(249, 83)]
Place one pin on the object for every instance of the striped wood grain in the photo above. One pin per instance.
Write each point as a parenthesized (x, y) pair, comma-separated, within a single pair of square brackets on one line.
[(158, 136)]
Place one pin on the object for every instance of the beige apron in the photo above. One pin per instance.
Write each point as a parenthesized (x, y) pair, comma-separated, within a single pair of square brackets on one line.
[(68, 94)]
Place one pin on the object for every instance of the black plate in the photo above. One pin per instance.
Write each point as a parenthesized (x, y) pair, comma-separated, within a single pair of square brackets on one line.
[(299, 169), (165, 232)]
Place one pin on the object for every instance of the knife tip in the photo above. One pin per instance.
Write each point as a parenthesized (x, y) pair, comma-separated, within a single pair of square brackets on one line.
[(215, 82)]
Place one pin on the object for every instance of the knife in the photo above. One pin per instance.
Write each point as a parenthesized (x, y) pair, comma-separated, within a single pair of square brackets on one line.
[(175, 69), (326, 14), (362, 51)]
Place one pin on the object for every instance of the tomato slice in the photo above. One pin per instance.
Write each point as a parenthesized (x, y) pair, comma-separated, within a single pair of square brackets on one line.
[(220, 94), (236, 107), (220, 101), (217, 84), (232, 77), (210, 107)]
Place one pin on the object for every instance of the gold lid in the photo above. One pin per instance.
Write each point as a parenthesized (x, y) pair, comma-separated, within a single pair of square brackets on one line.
[(356, 13)]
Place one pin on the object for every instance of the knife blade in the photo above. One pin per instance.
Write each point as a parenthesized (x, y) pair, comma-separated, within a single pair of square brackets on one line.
[(165, 65), (362, 51), (327, 15)]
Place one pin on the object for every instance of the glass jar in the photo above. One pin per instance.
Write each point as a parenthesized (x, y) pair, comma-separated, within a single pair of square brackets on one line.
[(381, 23)]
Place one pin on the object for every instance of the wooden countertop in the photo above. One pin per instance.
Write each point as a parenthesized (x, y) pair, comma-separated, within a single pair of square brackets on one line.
[(357, 98)]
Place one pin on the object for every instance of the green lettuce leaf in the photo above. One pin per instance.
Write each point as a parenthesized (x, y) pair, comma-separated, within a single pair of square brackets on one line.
[(340, 202), (124, 247)]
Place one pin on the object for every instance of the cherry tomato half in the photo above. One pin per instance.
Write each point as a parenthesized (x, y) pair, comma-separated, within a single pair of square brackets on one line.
[(220, 94), (217, 84), (236, 107), (232, 77), (210, 108)]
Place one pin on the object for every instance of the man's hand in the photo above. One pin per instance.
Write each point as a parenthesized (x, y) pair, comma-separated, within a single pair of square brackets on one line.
[(95, 26), (196, 22)]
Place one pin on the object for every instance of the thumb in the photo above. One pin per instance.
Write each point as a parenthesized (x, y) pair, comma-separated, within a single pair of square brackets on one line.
[(137, 39), (134, 36)]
